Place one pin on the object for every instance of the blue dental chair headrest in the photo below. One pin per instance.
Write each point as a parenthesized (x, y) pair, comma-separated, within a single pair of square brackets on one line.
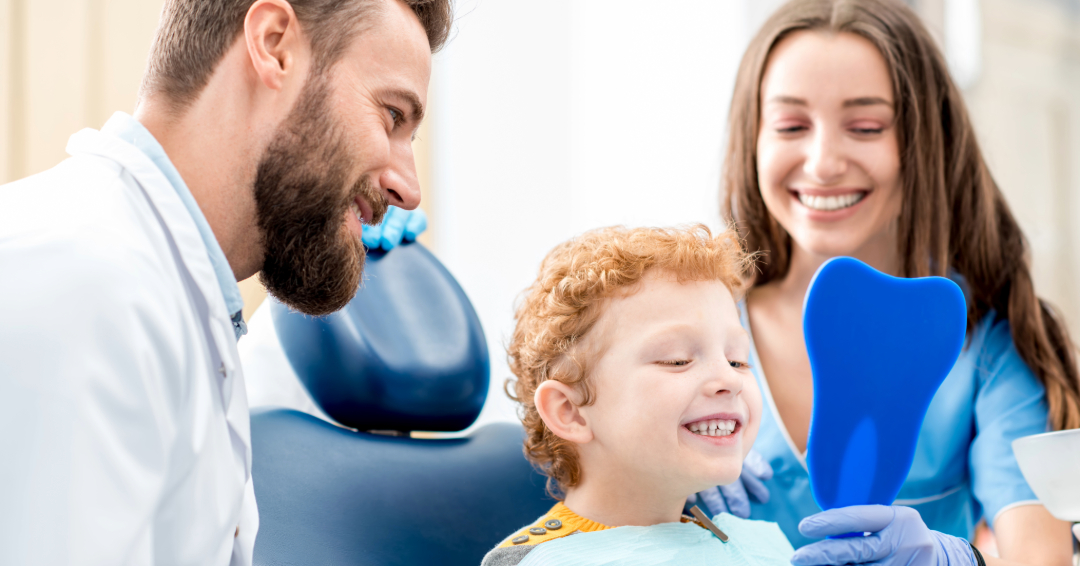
[(407, 353)]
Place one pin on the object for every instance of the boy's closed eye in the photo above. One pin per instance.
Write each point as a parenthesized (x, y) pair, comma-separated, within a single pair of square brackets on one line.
[(680, 363)]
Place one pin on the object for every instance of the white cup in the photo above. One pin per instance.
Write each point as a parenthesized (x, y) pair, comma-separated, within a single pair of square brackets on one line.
[(1050, 463)]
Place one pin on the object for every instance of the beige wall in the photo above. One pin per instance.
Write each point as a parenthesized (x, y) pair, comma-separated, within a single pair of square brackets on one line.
[(66, 65), (69, 64), (1026, 109)]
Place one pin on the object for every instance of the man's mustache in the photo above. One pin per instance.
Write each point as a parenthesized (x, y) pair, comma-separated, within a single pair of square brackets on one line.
[(365, 189)]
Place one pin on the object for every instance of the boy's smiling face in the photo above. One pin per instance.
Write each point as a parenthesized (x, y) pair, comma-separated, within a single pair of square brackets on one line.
[(676, 406)]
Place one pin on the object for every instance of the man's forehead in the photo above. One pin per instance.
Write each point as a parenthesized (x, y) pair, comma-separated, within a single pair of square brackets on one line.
[(392, 54), (394, 23)]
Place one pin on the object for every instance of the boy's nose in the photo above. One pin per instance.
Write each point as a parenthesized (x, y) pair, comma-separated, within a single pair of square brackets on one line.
[(723, 379)]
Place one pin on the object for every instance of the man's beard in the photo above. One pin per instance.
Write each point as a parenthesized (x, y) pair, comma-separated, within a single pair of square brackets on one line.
[(313, 261)]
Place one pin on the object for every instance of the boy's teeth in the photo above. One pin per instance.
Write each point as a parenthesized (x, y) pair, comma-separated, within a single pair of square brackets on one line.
[(712, 427), (830, 203)]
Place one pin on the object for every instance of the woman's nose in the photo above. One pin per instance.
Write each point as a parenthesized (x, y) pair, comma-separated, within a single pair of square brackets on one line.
[(825, 162)]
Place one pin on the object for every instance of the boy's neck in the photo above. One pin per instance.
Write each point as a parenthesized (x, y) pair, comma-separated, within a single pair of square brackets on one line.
[(617, 503)]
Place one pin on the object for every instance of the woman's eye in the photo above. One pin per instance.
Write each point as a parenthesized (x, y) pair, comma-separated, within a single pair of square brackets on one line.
[(739, 365), (674, 363), (790, 129), (866, 128)]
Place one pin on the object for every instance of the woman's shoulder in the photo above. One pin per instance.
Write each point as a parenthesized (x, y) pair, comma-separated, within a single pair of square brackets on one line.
[(990, 347), (1003, 382), (991, 338)]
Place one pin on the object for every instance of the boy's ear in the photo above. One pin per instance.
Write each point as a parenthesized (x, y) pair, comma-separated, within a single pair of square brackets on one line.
[(554, 401)]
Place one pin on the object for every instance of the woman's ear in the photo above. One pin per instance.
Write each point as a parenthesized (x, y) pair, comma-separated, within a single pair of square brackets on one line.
[(555, 401)]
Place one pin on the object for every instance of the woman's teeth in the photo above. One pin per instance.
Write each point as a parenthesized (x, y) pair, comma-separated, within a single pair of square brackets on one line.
[(712, 427), (830, 203)]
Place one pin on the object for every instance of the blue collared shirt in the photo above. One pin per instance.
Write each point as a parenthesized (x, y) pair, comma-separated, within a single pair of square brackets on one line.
[(127, 128)]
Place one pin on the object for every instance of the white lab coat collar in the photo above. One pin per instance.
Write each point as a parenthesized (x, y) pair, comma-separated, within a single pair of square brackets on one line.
[(185, 235)]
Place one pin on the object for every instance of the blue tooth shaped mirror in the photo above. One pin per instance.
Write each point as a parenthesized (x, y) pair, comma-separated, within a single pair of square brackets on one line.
[(879, 346)]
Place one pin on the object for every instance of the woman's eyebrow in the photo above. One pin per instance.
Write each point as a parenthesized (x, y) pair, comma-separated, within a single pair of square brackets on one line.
[(849, 103), (866, 101), (785, 99)]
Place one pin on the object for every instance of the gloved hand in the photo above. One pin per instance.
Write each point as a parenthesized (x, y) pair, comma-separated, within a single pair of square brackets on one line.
[(898, 538), (735, 498), (397, 224)]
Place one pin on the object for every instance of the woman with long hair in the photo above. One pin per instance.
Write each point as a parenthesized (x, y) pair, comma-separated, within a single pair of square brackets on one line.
[(849, 138)]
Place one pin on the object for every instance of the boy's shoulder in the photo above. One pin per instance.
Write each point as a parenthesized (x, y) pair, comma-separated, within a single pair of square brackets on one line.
[(557, 523), (757, 543)]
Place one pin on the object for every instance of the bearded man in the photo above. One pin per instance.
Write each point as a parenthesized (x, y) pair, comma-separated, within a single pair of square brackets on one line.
[(268, 132)]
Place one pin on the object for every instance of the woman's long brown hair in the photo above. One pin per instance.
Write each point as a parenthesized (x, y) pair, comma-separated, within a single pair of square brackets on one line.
[(953, 214)]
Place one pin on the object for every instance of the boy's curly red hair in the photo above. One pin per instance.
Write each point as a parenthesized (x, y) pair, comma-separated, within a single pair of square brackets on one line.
[(556, 313)]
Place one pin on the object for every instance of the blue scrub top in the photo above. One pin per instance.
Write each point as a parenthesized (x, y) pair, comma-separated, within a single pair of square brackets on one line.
[(964, 467)]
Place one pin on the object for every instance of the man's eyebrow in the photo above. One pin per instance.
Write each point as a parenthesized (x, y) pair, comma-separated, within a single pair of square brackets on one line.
[(866, 101), (417, 110)]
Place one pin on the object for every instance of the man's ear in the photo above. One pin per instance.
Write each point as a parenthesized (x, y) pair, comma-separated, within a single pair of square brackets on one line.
[(555, 401), (273, 39)]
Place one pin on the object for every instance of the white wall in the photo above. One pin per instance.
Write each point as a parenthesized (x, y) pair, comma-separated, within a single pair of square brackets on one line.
[(551, 120), (556, 118)]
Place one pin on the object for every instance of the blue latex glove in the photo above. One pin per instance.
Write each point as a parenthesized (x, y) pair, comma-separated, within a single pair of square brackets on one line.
[(735, 498), (898, 537), (397, 224)]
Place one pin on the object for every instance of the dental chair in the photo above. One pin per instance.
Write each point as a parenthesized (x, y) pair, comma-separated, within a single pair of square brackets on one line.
[(407, 354)]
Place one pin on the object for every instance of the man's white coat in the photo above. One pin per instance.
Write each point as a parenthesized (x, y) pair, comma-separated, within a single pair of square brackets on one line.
[(124, 426)]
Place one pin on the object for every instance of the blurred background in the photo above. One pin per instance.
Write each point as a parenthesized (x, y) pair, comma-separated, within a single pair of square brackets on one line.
[(552, 118)]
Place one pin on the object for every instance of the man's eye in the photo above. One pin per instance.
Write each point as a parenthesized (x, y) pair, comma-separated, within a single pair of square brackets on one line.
[(396, 115)]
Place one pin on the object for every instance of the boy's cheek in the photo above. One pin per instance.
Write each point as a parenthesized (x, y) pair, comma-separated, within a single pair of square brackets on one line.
[(753, 405), (749, 435)]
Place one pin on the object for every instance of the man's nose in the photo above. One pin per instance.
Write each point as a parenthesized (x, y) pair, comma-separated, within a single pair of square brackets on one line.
[(399, 181), (825, 162)]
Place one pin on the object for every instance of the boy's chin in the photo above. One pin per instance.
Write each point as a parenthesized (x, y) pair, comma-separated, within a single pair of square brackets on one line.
[(714, 481)]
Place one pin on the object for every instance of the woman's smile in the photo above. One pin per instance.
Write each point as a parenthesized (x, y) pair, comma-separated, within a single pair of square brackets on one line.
[(829, 205)]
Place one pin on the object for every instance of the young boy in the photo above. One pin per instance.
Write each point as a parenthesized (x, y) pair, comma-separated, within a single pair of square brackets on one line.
[(635, 393)]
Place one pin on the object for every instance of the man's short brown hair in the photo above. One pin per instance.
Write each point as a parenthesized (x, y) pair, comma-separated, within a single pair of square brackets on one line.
[(557, 312), (194, 35)]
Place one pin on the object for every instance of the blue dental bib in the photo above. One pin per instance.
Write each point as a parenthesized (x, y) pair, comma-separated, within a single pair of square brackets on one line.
[(879, 347), (752, 543)]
